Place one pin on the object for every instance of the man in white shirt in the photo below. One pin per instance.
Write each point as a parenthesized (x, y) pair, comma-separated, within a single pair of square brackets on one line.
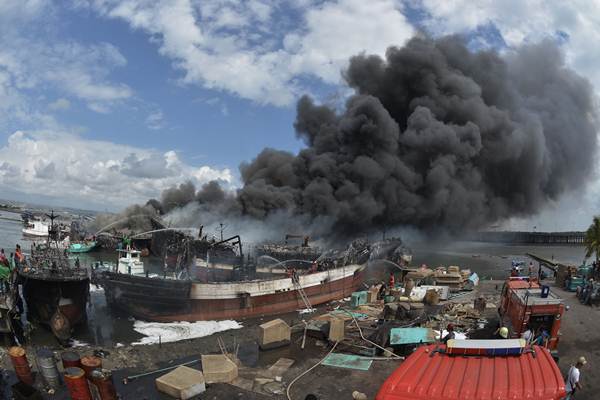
[(572, 383), (527, 335)]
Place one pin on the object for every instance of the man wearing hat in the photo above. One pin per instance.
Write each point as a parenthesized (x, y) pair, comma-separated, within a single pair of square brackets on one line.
[(572, 383)]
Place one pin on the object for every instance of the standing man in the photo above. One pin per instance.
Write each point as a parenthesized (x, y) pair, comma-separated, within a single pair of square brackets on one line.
[(573, 383)]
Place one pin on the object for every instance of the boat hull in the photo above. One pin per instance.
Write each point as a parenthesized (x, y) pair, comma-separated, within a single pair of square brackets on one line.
[(166, 300), (32, 233), (81, 248), (49, 301)]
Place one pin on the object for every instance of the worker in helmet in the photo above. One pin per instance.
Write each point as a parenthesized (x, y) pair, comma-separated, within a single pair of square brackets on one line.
[(449, 335), (573, 383), (502, 333)]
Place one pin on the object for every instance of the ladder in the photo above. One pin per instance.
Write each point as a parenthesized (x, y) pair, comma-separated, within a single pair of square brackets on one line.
[(300, 290)]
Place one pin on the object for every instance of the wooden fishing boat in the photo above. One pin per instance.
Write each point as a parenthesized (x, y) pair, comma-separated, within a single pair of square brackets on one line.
[(56, 293), (238, 291)]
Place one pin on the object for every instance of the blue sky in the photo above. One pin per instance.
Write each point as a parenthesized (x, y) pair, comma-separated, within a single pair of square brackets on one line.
[(104, 103)]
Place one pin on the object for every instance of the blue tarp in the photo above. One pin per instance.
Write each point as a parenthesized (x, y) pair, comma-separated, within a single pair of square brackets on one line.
[(400, 336), (348, 361)]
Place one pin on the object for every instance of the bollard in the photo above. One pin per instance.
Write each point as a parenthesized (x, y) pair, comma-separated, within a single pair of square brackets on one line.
[(102, 379), (47, 367), (77, 384), (90, 363), (70, 359), (21, 365)]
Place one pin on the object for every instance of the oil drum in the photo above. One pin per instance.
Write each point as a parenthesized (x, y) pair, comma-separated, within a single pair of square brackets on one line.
[(77, 384), (90, 363), (70, 359), (102, 379), (21, 365), (47, 367)]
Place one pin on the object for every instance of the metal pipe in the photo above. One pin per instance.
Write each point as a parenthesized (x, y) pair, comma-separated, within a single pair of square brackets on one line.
[(133, 377)]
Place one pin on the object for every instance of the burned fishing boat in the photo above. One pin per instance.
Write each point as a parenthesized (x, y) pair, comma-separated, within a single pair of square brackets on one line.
[(239, 290), (290, 252), (55, 292)]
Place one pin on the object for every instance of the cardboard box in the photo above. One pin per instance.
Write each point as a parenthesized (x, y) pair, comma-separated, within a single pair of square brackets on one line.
[(274, 334), (217, 368), (182, 383)]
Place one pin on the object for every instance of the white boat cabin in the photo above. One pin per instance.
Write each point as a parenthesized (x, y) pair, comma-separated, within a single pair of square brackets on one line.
[(130, 262), (36, 228)]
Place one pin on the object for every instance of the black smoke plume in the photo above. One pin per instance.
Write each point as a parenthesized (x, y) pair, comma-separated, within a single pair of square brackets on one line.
[(436, 136)]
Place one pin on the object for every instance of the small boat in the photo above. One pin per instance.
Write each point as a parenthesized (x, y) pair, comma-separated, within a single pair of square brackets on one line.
[(36, 229), (81, 247)]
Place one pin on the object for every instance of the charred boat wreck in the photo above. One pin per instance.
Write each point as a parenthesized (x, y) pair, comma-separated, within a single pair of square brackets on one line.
[(240, 291), (293, 254)]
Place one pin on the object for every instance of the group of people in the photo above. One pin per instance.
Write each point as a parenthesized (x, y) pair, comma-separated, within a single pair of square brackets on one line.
[(587, 292), (18, 257), (518, 269)]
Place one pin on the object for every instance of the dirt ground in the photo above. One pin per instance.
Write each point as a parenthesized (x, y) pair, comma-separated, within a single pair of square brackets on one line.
[(324, 382), (580, 336)]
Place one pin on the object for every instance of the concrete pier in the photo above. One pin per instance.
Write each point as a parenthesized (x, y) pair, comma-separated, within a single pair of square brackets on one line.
[(512, 237)]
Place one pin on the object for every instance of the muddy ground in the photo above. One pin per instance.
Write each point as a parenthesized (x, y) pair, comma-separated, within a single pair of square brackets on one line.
[(580, 336), (324, 382)]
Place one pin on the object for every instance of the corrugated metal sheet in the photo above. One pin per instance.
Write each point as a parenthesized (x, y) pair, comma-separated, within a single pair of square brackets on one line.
[(435, 376)]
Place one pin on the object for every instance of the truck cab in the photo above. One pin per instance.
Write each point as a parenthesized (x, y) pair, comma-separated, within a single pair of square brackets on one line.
[(524, 302)]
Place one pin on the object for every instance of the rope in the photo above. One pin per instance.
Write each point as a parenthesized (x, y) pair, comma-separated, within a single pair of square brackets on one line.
[(368, 341), (287, 392)]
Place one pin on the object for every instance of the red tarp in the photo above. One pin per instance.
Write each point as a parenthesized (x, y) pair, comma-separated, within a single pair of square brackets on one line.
[(429, 375)]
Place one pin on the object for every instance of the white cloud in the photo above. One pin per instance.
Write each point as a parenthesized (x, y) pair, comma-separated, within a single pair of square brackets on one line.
[(337, 31), (60, 105), (155, 120), (245, 49), (95, 173), (35, 59)]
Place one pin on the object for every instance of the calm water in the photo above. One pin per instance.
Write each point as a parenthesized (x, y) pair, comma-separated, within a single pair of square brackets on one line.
[(490, 260), (105, 328)]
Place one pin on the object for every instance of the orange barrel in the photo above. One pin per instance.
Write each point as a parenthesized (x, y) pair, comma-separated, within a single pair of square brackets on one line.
[(90, 363), (47, 367), (77, 384), (102, 379), (70, 359), (19, 361)]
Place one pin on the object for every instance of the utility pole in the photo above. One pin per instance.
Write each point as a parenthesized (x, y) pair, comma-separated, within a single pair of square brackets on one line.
[(222, 229)]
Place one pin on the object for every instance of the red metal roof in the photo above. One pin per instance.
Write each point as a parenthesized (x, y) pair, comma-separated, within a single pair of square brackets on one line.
[(430, 375)]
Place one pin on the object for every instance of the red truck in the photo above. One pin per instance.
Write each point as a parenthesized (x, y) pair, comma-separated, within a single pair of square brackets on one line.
[(524, 302)]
